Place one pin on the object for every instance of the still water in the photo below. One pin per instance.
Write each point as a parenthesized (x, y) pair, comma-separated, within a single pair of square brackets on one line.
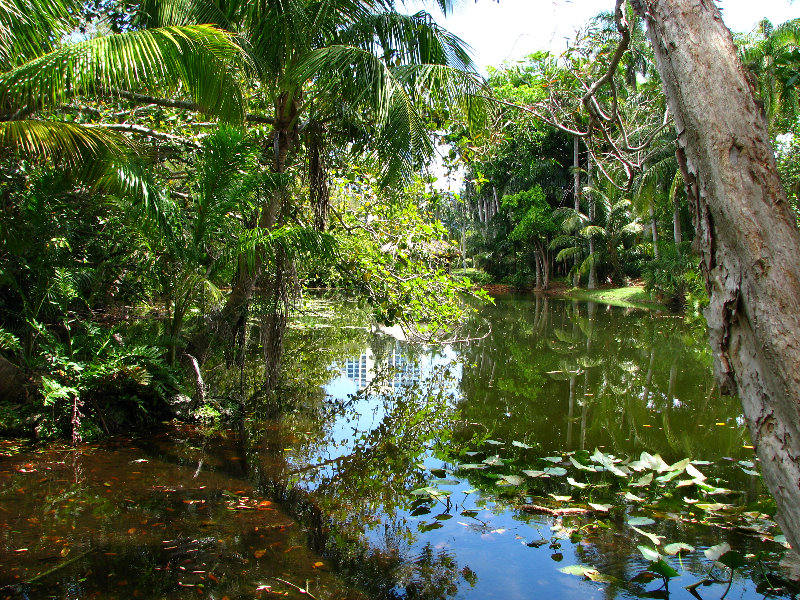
[(549, 457)]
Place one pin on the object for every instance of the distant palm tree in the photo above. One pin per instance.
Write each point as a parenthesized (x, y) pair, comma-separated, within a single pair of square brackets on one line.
[(613, 230), (773, 55)]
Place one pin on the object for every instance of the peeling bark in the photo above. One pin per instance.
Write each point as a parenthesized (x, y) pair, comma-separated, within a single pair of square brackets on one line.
[(746, 234)]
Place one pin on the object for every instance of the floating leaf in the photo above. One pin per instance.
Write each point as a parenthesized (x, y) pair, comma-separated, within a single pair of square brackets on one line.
[(420, 510), (552, 459), (468, 466), (580, 465), (494, 461), (430, 526), (535, 474), (259, 553), (577, 484), (579, 570), (632, 498), (440, 473), (678, 548), (684, 482), (430, 491), (318, 564), (692, 472), (510, 480), (558, 498), (445, 481), (640, 521), (521, 445), (680, 465), (493, 442), (650, 554), (443, 517), (656, 539), (643, 481), (469, 513), (715, 507), (555, 471), (714, 552), (601, 507), (669, 476)]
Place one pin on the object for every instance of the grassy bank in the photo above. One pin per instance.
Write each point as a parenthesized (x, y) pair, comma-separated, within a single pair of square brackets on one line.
[(629, 297)]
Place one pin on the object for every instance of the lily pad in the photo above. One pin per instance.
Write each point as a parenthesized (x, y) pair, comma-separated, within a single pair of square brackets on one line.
[(558, 498), (580, 571), (535, 474), (714, 552), (643, 481), (577, 484), (510, 480), (678, 548), (650, 554), (552, 459), (692, 472), (640, 521), (656, 539), (581, 466), (555, 471), (521, 445)]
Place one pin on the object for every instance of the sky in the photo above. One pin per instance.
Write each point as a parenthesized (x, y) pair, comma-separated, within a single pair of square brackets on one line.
[(510, 29)]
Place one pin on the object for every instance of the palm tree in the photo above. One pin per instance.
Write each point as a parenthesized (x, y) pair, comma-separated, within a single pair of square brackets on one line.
[(613, 231), (352, 74), (773, 55), (41, 75)]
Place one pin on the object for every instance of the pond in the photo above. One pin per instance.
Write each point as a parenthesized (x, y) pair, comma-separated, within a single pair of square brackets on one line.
[(569, 450)]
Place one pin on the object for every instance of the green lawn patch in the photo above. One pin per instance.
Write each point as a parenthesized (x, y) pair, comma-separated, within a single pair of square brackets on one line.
[(628, 297)]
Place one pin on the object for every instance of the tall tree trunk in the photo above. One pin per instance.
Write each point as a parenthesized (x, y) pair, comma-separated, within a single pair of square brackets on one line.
[(576, 175), (654, 229), (676, 224), (746, 233), (592, 283)]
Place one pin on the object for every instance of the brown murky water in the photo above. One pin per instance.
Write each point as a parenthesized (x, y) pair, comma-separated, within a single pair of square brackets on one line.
[(168, 517)]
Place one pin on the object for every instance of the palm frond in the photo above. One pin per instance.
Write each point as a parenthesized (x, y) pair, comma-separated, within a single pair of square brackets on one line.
[(68, 144), (194, 60)]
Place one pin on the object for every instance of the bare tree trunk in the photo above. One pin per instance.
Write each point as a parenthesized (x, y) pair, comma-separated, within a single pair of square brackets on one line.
[(746, 233), (592, 283), (676, 224), (654, 229), (576, 174)]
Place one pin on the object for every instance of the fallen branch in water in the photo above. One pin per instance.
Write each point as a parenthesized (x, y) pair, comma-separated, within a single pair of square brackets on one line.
[(297, 587), (554, 512), (58, 567)]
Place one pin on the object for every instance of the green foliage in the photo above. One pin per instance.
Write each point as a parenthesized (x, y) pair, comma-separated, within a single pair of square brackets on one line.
[(674, 276), (531, 214), (396, 257)]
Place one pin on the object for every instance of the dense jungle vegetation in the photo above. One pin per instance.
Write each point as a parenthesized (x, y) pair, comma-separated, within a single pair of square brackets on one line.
[(153, 164)]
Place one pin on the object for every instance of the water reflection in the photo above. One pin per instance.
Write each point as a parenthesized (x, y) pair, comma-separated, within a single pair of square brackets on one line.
[(427, 473), (424, 451)]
